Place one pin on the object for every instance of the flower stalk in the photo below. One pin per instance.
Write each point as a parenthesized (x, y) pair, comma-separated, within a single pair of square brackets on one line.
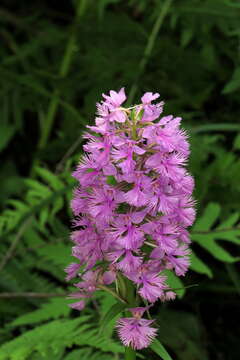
[(130, 354)]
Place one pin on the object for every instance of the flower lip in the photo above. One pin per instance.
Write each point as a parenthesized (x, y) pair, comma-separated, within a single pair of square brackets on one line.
[(136, 333), (138, 312)]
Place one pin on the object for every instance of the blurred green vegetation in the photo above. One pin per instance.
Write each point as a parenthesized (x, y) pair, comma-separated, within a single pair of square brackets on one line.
[(57, 57)]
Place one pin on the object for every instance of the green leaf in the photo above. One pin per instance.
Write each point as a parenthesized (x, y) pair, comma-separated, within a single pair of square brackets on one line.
[(229, 222), (229, 235), (54, 309), (208, 237), (186, 36), (53, 335), (43, 217), (208, 218), (50, 178), (233, 84), (160, 350), (40, 188), (236, 144), (175, 283), (199, 266), (62, 250), (208, 243), (112, 312), (7, 131)]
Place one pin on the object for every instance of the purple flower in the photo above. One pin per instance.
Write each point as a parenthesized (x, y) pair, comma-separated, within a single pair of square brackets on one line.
[(148, 97), (102, 202), (78, 305), (126, 233), (71, 271), (113, 102), (138, 196), (136, 332), (151, 112), (152, 286), (179, 260), (115, 98), (129, 262)]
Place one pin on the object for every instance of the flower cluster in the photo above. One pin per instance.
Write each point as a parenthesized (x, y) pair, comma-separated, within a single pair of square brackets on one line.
[(133, 204)]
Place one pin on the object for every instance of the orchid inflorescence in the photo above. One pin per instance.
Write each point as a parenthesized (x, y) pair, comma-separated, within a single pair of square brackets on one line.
[(132, 207)]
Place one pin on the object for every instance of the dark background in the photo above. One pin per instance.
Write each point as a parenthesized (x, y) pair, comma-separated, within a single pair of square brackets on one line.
[(56, 59)]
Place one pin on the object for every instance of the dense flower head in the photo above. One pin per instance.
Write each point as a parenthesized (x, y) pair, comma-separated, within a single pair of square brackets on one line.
[(133, 204)]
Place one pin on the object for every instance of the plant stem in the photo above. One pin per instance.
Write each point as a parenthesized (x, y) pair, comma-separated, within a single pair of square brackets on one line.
[(130, 293), (63, 71), (149, 47), (110, 291), (130, 354)]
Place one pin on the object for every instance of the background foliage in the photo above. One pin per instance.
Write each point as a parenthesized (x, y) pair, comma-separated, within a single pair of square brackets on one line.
[(57, 57)]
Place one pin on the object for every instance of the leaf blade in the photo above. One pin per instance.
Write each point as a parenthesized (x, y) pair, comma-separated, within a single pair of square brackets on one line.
[(112, 312), (159, 349)]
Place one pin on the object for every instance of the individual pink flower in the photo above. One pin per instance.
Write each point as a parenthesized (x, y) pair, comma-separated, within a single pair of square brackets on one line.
[(148, 97), (136, 332), (78, 305), (151, 111), (113, 102), (115, 98), (129, 262), (71, 271), (152, 286), (126, 232)]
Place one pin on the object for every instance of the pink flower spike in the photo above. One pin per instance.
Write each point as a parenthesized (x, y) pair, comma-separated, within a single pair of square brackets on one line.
[(132, 207)]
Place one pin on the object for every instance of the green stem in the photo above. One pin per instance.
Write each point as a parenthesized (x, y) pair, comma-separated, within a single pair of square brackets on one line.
[(110, 291), (149, 47), (130, 354), (134, 131), (130, 293), (63, 71)]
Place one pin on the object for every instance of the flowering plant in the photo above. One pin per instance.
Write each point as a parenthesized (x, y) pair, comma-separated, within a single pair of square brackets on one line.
[(132, 209)]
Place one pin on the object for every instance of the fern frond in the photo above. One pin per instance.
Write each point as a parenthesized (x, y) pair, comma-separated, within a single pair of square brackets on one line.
[(40, 200), (54, 309), (56, 336), (208, 235)]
